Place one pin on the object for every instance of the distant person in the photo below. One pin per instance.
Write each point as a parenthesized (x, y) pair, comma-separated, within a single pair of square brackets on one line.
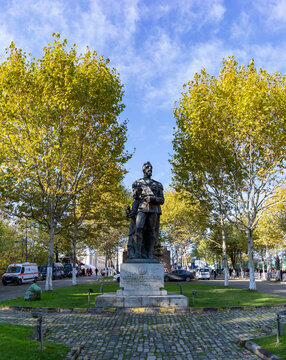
[(96, 271), (214, 274)]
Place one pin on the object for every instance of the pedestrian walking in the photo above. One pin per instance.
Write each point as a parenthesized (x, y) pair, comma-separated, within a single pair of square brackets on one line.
[(96, 271)]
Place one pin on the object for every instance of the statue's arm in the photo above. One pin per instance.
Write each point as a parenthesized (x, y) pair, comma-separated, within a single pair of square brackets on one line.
[(135, 202), (159, 199)]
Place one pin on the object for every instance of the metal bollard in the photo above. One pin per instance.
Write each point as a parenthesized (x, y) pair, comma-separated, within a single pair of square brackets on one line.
[(194, 293), (101, 288), (279, 327), (181, 288), (89, 292), (38, 334)]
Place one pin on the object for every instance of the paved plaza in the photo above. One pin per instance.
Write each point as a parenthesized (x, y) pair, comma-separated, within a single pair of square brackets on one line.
[(153, 336)]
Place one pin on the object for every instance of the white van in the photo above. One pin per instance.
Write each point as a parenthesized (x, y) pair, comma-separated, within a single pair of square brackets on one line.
[(203, 273), (20, 273)]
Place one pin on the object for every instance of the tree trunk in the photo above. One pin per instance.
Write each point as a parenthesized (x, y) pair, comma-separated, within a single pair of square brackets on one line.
[(277, 267), (240, 266), (184, 262), (252, 284), (263, 272), (173, 255), (57, 254), (268, 264), (106, 265), (233, 261), (224, 256), (117, 259), (49, 278), (74, 282), (176, 257)]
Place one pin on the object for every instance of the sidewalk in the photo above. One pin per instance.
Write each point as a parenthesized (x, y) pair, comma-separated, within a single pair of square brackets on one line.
[(270, 287), (107, 336)]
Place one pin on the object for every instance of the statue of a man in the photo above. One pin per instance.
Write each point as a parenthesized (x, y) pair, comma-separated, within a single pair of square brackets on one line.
[(146, 210)]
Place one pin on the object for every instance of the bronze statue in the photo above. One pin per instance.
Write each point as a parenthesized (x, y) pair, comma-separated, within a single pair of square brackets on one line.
[(145, 215)]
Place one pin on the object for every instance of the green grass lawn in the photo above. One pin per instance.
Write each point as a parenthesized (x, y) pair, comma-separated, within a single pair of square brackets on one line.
[(269, 343), (207, 296), (16, 344), (68, 297), (219, 296)]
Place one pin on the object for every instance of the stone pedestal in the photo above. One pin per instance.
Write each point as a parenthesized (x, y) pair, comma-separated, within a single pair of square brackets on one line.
[(141, 279), (142, 286)]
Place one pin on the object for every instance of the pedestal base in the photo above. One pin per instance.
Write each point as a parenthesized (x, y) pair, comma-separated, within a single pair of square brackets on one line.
[(141, 279), (142, 287), (112, 300)]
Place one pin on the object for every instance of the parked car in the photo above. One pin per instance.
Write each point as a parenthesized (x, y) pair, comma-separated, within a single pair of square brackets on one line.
[(179, 275), (68, 270), (116, 277), (20, 273), (58, 271), (203, 273)]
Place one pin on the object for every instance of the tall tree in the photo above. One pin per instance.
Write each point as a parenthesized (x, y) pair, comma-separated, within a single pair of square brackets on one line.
[(234, 124), (271, 230), (183, 222), (202, 159), (109, 223), (236, 242), (96, 219), (12, 245), (60, 131)]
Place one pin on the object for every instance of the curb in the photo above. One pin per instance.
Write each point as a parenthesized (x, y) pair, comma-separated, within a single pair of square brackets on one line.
[(261, 352), (73, 353), (173, 310)]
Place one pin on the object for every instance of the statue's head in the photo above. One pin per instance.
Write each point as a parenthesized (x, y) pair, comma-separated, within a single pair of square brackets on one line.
[(147, 169)]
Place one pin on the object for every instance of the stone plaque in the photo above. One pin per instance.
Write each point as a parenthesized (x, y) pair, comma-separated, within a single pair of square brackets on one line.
[(141, 279)]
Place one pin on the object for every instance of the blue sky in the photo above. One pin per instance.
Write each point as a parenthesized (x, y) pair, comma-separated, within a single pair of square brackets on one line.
[(156, 46)]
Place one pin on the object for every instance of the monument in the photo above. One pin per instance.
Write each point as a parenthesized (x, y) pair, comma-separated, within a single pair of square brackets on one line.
[(141, 276), (145, 217)]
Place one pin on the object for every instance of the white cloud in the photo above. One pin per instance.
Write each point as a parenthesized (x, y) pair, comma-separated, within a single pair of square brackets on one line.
[(216, 12), (273, 13), (166, 132), (194, 14), (155, 61), (5, 36), (270, 57), (242, 28), (31, 23), (278, 11), (182, 69)]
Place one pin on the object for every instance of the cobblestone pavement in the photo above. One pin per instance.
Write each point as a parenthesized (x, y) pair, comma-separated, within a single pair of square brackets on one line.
[(153, 336)]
